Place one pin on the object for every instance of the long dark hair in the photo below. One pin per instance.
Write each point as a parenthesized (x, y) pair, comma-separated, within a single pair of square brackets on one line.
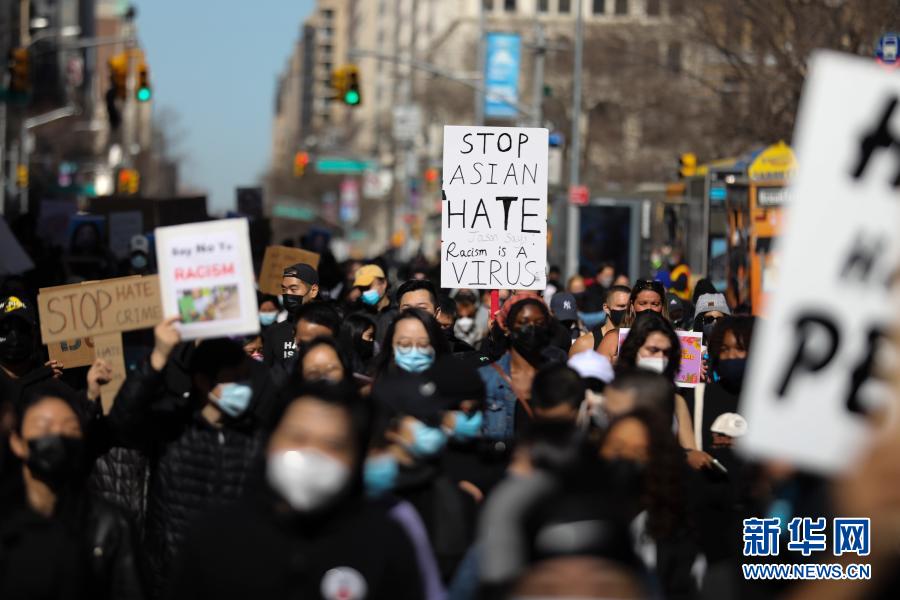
[(384, 362), (646, 323), (741, 327), (352, 329), (661, 493)]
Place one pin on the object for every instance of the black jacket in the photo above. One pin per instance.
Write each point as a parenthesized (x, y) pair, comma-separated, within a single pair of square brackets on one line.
[(44, 558), (259, 549), (194, 466), (278, 344)]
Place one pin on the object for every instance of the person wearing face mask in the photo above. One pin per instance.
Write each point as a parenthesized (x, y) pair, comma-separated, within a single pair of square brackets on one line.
[(653, 345), (194, 411), (646, 296), (614, 309), (56, 539), (466, 327), (509, 380), (595, 294), (268, 310), (374, 298), (410, 431), (305, 530), (710, 309), (412, 344), (421, 294), (20, 367), (299, 286)]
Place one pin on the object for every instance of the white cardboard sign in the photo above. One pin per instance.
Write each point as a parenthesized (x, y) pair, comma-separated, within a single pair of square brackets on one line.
[(494, 208), (811, 379), (206, 277)]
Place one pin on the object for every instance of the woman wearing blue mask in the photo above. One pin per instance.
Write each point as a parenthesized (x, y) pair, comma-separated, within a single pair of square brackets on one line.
[(268, 311), (412, 344), (408, 445)]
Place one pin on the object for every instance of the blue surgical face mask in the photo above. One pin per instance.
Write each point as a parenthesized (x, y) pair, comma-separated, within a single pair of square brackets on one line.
[(267, 318), (427, 441), (380, 474), (593, 319), (467, 427), (371, 297), (413, 360), (233, 399), (138, 260)]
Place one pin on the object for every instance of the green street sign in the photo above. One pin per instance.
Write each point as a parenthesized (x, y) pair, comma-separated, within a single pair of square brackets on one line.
[(329, 165)]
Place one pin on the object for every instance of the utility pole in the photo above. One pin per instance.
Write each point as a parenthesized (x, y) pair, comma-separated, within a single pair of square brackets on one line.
[(479, 68), (572, 215), (537, 86)]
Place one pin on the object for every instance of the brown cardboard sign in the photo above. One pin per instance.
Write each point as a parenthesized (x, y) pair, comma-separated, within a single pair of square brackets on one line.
[(276, 259), (72, 353), (95, 308)]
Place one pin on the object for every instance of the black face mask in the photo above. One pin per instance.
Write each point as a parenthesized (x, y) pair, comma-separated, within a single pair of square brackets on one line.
[(291, 302), (56, 460), (617, 316), (365, 349), (731, 373), (16, 345), (529, 341)]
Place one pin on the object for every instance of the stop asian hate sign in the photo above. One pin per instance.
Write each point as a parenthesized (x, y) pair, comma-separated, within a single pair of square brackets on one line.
[(494, 208)]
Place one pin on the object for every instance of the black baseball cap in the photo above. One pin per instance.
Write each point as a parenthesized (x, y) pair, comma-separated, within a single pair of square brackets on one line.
[(13, 306), (303, 272)]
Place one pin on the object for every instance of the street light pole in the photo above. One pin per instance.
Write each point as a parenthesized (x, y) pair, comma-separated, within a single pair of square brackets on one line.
[(572, 214), (479, 92), (537, 86)]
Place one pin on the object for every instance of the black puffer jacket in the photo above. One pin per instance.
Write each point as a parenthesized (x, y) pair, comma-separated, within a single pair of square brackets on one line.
[(194, 465), (120, 477)]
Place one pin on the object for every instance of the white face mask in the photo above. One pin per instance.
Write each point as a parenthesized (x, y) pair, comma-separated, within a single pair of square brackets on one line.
[(657, 365), (464, 324), (307, 479)]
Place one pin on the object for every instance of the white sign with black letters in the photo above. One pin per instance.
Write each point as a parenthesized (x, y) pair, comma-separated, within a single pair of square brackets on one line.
[(494, 208), (812, 379)]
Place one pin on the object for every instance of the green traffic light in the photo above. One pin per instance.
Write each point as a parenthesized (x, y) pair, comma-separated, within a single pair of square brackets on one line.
[(351, 97), (144, 94)]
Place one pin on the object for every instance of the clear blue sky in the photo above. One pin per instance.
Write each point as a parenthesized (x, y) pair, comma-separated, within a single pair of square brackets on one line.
[(216, 64)]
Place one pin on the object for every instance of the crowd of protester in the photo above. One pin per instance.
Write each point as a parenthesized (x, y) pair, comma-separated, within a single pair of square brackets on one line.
[(385, 438)]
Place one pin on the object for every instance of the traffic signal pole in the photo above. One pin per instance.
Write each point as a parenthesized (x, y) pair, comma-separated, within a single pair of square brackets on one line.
[(573, 224)]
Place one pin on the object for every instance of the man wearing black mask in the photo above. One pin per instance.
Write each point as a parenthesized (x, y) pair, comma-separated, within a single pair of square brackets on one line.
[(19, 363), (299, 285)]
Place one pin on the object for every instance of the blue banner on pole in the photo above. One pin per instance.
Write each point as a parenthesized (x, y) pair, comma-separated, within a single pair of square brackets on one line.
[(501, 74)]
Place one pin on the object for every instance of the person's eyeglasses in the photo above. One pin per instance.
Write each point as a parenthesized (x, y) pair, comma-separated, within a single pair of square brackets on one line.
[(710, 320), (405, 347)]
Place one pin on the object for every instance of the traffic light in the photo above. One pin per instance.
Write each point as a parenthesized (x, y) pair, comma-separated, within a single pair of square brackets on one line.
[(144, 92), (687, 165), (431, 179), (352, 95), (345, 81), (19, 76), (128, 182), (301, 159), (118, 74)]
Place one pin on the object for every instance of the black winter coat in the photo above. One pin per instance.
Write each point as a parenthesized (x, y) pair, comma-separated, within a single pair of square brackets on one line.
[(194, 466), (260, 549)]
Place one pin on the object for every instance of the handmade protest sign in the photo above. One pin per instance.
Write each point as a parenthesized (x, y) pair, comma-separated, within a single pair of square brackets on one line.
[(109, 348), (276, 259), (206, 278), (93, 308), (494, 208), (812, 383), (72, 353), (691, 356)]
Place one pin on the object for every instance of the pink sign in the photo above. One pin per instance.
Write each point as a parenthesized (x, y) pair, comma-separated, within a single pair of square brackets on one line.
[(691, 356)]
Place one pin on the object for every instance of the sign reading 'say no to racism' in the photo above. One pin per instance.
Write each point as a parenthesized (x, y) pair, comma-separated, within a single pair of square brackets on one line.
[(494, 208)]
